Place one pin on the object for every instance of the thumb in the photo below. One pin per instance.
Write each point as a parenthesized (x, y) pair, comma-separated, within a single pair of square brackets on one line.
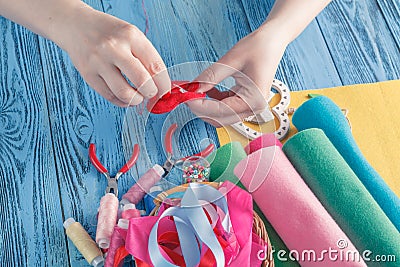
[(214, 74)]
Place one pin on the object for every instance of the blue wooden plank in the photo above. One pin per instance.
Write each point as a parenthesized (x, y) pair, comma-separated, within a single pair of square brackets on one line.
[(391, 11), (360, 41), (307, 63), (31, 219)]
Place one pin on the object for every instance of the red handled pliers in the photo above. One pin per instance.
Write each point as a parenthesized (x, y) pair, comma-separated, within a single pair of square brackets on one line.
[(171, 162), (112, 182)]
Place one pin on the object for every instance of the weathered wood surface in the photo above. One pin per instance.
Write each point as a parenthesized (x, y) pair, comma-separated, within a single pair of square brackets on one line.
[(30, 201), (48, 115)]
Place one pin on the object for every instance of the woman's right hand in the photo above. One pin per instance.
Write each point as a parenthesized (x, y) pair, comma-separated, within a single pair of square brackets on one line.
[(104, 48)]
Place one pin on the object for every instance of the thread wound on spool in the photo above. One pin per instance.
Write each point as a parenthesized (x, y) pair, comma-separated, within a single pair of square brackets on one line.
[(117, 241), (155, 188), (83, 242), (129, 206), (143, 185), (130, 213), (108, 213), (149, 199), (159, 170)]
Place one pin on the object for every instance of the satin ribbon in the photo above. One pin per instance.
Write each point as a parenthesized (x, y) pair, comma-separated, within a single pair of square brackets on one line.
[(193, 227), (231, 231)]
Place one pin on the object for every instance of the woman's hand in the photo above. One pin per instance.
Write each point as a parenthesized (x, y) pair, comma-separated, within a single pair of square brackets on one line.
[(104, 48), (252, 62)]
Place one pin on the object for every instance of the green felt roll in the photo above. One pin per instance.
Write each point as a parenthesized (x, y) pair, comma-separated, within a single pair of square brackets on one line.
[(343, 195), (222, 163), (224, 160)]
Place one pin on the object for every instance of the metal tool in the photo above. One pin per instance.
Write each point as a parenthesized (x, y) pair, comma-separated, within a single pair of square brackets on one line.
[(171, 162), (112, 182)]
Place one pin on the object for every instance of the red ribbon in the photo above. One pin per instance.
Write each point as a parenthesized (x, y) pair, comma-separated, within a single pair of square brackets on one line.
[(181, 92), (120, 255)]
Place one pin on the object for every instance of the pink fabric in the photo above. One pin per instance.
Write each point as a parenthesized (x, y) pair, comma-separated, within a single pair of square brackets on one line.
[(241, 214), (136, 242), (264, 140), (291, 207)]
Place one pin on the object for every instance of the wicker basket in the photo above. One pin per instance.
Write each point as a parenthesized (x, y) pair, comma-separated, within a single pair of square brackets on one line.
[(258, 224)]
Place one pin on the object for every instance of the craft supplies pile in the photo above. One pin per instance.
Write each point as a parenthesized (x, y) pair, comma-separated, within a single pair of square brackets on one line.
[(236, 205)]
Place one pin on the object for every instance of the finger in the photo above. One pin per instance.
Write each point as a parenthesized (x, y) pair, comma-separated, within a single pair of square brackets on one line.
[(100, 86), (213, 75), (224, 112), (213, 122), (133, 68), (256, 80), (120, 87), (252, 97), (154, 64)]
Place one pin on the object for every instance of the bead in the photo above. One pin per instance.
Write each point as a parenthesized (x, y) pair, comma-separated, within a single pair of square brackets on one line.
[(195, 169)]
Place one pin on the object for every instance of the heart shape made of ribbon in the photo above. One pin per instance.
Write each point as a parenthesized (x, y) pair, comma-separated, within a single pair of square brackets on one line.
[(181, 92)]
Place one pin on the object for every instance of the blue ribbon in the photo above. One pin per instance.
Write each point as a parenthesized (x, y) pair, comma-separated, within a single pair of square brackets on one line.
[(193, 227)]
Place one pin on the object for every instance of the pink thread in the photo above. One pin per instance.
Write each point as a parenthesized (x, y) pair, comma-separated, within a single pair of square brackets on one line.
[(143, 185), (107, 218), (117, 240), (128, 214), (146, 17), (130, 211)]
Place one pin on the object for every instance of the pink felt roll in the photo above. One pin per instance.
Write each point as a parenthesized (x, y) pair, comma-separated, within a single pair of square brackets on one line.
[(264, 140), (294, 211)]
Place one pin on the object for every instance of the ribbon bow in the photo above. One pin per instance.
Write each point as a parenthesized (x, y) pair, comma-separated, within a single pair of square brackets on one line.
[(193, 227), (198, 231)]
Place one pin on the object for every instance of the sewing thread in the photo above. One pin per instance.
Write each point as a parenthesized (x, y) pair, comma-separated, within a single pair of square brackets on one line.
[(130, 211), (143, 185), (146, 31), (83, 242), (107, 219), (149, 198), (117, 240)]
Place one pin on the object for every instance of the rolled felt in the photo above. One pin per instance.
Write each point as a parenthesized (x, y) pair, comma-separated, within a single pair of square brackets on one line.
[(264, 140), (267, 140), (342, 194), (323, 113), (222, 162), (278, 246), (293, 210)]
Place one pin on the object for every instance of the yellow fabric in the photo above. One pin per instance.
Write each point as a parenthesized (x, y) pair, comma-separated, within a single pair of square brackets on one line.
[(374, 111)]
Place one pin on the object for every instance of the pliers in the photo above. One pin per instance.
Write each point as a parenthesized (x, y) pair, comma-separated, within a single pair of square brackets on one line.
[(171, 162), (112, 182)]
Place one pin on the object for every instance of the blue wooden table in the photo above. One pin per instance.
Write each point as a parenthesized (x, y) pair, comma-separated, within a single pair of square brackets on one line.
[(49, 115)]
